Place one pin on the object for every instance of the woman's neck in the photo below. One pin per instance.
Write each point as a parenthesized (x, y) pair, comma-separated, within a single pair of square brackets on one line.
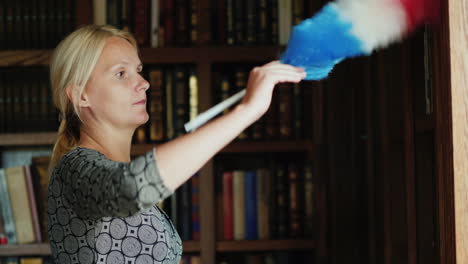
[(115, 145)]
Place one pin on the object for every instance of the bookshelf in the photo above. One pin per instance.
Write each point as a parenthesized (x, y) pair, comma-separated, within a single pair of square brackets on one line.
[(203, 56)]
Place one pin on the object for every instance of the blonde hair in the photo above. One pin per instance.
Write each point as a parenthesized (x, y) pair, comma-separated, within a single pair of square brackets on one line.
[(71, 65)]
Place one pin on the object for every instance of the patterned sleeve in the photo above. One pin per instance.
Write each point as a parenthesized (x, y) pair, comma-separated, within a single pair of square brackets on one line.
[(95, 186)]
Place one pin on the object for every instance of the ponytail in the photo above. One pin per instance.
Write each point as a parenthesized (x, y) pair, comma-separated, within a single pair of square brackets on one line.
[(68, 137)]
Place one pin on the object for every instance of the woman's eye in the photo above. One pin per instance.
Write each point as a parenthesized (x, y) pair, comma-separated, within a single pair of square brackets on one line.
[(120, 74)]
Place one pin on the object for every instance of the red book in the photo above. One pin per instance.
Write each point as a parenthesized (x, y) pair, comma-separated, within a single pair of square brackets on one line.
[(168, 22), (142, 22), (228, 206), (32, 204)]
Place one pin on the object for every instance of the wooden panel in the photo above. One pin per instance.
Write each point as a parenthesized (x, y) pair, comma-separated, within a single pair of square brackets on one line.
[(207, 206), (158, 55), (28, 139), (458, 23), (24, 57), (444, 139)]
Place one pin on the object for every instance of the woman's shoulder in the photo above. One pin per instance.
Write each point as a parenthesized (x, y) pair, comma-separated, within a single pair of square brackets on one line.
[(81, 156)]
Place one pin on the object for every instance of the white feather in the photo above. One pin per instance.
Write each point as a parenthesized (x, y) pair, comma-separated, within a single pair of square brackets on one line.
[(377, 23)]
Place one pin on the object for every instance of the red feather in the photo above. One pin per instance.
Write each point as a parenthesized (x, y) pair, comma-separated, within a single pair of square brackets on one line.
[(421, 11)]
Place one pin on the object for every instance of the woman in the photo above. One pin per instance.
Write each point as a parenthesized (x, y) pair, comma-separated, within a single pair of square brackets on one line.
[(101, 203)]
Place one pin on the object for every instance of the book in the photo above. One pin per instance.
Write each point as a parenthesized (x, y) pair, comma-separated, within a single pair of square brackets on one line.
[(295, 205), (99, 12), (251, 221), (39, 169), (238, 194), (263, 200), (156, 106), (32, 204), (7, 213), (196, 207), (17, 188), (308, 200), (155, 23), (228, 206)]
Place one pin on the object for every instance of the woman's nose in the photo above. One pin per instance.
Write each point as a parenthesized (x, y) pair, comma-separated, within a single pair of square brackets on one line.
[(142, 83)]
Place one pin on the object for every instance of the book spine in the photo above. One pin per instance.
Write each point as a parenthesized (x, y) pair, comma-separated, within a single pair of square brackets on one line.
[(294, 202), (230, 28), (193, 22), (3, 109), (238, 183), (185, 211), (17, 189), (262, 22), (251, 15), (26, 101), (155, 19), (274, 22), (297, 111), (169, 22), (285, 110), (156, 107), (7, 213), (141, 22), (263, 198), (169, 84), (196, 207), (239, 22), (282, 202), (228, 205), (308, 201), (193, 93), (125, 15), (181, 100), (99, 12), (33, 204), (251, 205), (182, 23)]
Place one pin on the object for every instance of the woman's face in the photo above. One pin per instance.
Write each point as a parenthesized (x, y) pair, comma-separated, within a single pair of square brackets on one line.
[(115, 92)]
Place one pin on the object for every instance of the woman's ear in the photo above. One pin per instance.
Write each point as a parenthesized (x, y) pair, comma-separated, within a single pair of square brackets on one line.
[(73, 95)]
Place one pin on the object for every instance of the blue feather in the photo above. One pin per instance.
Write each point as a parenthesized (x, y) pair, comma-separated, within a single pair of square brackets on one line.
[(320, 42)]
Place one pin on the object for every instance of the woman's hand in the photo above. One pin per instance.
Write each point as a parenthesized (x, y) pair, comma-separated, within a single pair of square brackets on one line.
[(261, 82)]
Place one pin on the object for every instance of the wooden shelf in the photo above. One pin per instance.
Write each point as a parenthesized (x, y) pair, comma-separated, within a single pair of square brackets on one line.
[(43, 249), (9, 58), (246, 147), (28, 139), (264, 245)]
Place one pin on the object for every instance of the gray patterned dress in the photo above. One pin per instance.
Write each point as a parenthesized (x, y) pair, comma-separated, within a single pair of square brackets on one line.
[(103, 211)]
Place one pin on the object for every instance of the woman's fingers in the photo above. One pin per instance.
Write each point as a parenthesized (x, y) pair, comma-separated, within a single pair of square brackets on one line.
[(278, 65), (286, 75)]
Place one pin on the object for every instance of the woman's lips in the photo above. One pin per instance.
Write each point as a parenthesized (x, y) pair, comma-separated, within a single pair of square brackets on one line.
[(141, 102)]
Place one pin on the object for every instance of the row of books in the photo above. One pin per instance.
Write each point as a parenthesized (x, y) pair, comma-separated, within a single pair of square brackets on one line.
[(35, 24), (267, 203), (25, 260), (183, 207), (26, 100), (172, 101), (285, 118), (279, 257), (258, 22), (154, 23), (23, 204)]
